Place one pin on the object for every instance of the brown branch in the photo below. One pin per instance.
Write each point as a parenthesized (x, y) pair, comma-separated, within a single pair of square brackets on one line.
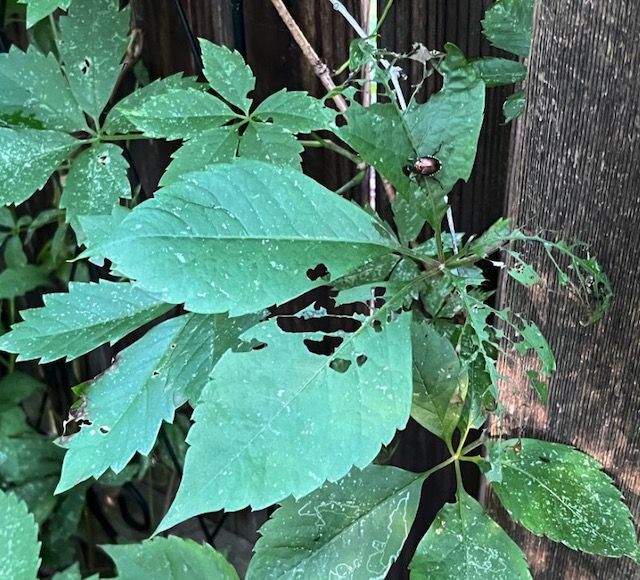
[(319, 68)]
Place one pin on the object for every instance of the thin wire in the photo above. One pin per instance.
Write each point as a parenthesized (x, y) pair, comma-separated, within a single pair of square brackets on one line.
[(191, 37)]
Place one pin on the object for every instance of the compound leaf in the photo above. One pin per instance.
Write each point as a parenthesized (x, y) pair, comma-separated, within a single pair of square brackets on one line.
[(76, 322), (27, 158), (464, 543), (20, 556), (227, 74), (36, 81), (169, 558), (152, 377), (97, 180), (293, 419), (93, 40), (559, 492), (18, 281), (355, 527), (243, 236), (295, 111)]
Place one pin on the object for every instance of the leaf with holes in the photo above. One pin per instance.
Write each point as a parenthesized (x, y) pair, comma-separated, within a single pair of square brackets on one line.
[(166, 367), (117, 122), (270, 143), (169, 558), (27, 158), (293, 419), (74, 323), (294, 111), (178, 114), (39, 89), (243, 236), (20, 556), (214, 146), (96, 182), (464, 543), (227, 74), (559, 492), (353, 527), (439, 384), (93, 38)]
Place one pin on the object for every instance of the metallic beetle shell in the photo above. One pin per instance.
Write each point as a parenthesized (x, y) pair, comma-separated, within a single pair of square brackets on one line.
[(427, 166)]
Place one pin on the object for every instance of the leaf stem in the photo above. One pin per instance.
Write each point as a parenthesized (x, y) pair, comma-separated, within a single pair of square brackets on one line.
[(328, 144)]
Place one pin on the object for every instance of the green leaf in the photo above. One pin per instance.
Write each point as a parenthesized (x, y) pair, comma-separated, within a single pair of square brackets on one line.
[(169, 558), (178, 114), (14, 255), (559, 492), (507, 25), (447, 127), (353, 528), (152, 377), (16, 282), (514, 106), (464, 543), (270, 143), (94, 37), (40, 89), (295, 111), (496, 71), (255, 233), (533, 339), (96, 181), (98, 229), (39, 9), (293, 419), (214, 146), (117, 122), (20, 556), (27, 158), (76, 322), (439, 385), (227, 74), (16, 387)]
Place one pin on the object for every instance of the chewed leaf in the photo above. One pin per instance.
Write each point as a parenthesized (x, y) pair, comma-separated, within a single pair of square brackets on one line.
[(559, 492), (93, 40), (152, 377), (353, 527), (219, 228), (286, 433), (96, 182), (294, 111)]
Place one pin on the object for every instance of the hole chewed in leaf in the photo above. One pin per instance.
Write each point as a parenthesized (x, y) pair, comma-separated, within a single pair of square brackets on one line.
[(246, 346), (84, 66), (327, 346), (340, 365), (361, 359), (319, 272)]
